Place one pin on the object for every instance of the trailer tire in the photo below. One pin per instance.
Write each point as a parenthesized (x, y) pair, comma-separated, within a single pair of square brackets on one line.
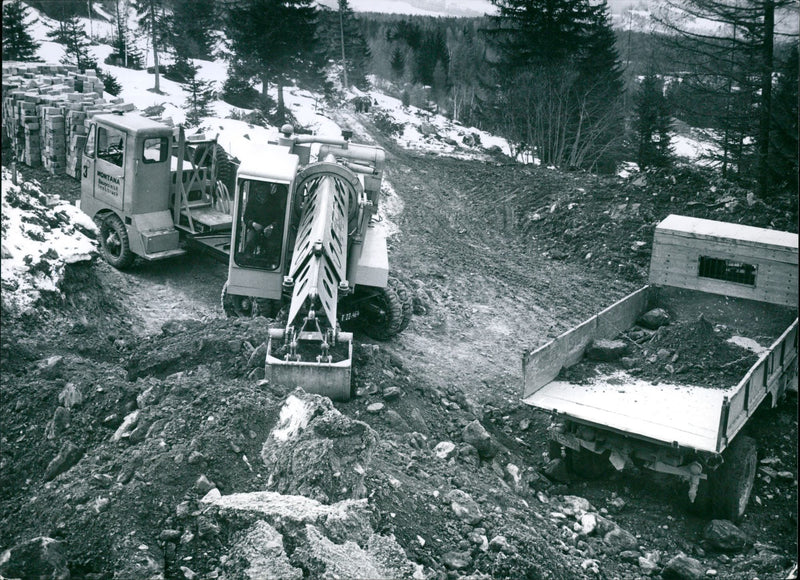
[(114, 243), (732, 483), (386, 316), (587, 464)]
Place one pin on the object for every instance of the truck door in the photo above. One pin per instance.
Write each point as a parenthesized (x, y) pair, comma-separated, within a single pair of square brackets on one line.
[(88, 164), (109, 178)]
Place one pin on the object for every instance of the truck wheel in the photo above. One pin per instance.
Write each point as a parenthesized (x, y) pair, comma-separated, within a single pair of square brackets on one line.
[(384, 315), (587, 464), (406, 302), (114, 244), (732, 483)]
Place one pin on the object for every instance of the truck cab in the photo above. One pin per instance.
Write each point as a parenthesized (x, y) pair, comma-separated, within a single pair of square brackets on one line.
[(130, 187)]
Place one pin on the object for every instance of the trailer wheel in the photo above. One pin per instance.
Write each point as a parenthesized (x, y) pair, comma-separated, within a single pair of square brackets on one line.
[(114, 243), (587, 464), (732, 483), (406, 302), (384, 315)]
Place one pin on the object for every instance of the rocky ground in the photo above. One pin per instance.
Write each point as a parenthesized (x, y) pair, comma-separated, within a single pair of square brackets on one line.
[(140, 436)]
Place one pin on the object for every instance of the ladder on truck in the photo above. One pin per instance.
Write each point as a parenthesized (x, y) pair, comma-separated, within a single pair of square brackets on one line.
[(202, 204)]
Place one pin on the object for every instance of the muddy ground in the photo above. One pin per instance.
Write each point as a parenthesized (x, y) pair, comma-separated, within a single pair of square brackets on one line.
[(500, 258)]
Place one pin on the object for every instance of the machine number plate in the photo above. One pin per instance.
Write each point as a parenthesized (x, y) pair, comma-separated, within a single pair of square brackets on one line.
[(349, 315)]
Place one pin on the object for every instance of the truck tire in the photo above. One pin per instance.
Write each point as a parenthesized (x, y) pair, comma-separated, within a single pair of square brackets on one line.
[(587, 464), (406, 302), (114, 243), (384, 317), (732, 483)]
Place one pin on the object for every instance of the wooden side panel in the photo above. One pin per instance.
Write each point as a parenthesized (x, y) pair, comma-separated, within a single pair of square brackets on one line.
[(764, 378), (542, 365), (675, 262)]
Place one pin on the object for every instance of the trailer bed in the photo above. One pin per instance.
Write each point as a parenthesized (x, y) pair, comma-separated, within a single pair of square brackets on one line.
[(689, 415), (630, 406)]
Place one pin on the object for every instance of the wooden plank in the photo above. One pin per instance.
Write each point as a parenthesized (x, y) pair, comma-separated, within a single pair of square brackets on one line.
[(725, 251), (711, 230)]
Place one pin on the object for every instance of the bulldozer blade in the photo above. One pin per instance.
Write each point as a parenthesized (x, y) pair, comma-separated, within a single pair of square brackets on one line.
[(329, 379)]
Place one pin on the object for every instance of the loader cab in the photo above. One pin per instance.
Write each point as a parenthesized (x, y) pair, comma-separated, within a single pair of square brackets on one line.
[(261, 237)]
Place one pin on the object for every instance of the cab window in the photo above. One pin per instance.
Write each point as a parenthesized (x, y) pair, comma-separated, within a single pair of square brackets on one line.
[(155, 149), (261, 217), (88, 149), (111, 145)]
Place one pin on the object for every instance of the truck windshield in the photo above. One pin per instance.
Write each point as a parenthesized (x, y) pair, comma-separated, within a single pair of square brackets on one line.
[(155, 149), (111, 145), (261, 218)]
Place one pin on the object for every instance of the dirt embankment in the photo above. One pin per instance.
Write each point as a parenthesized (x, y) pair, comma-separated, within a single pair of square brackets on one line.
[(113, 437)]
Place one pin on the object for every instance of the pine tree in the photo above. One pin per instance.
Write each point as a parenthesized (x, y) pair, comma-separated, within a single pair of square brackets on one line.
[(18, 44), (398, 63), (734, 67), (273, 39), (652, 123), (110, 83), (125, 53), (560, 80), (152, 21), (237, 88), (201, 94), (340, 31), (72, 34), (784, 145), (192, 28)]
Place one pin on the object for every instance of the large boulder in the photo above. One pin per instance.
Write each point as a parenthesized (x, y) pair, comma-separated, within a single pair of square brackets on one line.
[(653, 319), (316, 451), (607, 350), (723, 535), (476, 435), (619, 540), (41, 558), (683, 567), (67, 457), (464, 506), (328, 541), (381, 557), (263, 550)]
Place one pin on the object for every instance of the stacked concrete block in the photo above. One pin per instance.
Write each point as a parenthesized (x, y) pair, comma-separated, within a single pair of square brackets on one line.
[(46, 108)]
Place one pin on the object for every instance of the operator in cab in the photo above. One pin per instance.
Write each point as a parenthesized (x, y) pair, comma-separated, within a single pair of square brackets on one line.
[(263, 218)]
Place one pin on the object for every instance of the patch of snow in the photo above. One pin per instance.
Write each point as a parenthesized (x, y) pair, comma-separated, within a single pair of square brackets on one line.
[(627, 169), (294, 417), (694, 149), (389, 207), (748, 343), (38, 240)]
